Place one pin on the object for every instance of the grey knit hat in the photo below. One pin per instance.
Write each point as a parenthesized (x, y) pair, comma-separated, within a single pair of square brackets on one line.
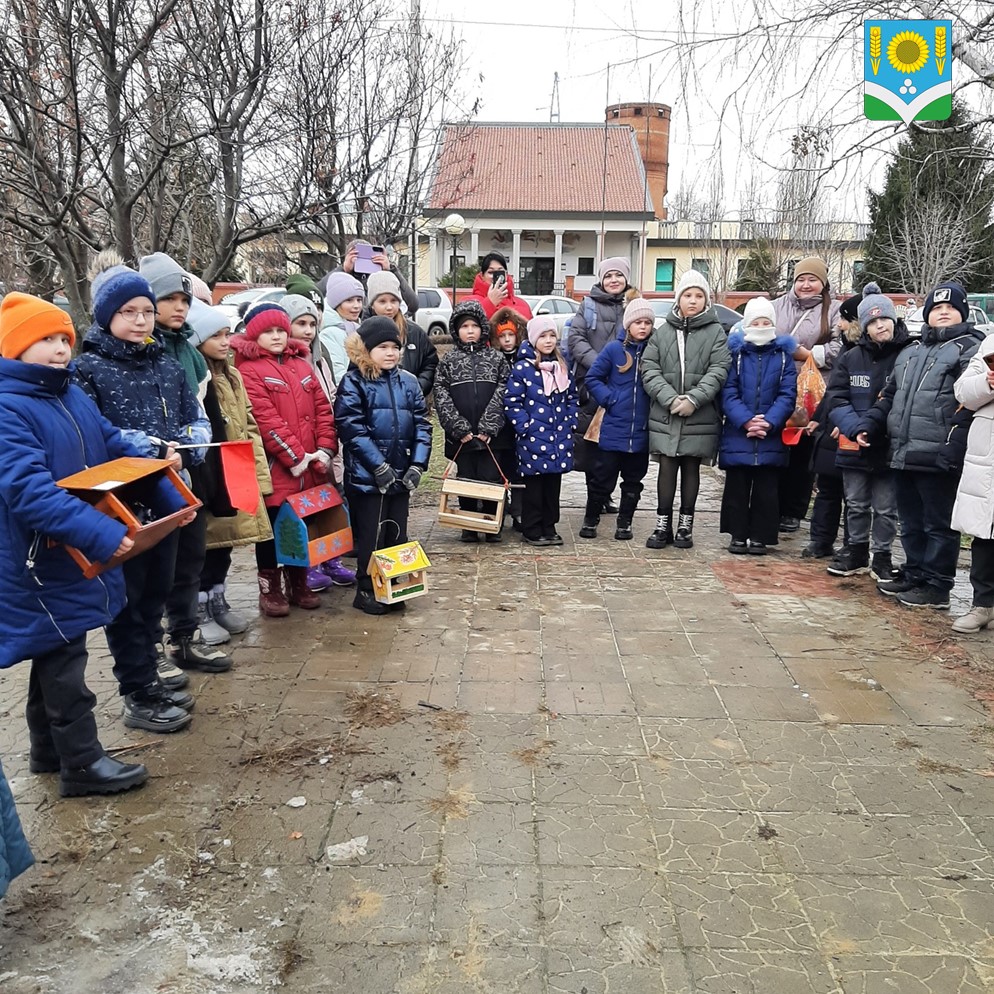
[(874, 305), (297, 305), (165, 275), (383, 282), (692, 278), (205, 322)]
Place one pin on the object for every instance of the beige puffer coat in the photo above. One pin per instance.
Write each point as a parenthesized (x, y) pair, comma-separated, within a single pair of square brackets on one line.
[(242, 529), (973, 512)]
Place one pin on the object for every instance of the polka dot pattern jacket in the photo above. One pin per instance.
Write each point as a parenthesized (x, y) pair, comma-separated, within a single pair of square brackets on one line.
[(543, 424)]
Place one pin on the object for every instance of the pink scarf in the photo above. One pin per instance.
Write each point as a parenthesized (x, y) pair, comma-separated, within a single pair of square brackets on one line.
[(555, 379)]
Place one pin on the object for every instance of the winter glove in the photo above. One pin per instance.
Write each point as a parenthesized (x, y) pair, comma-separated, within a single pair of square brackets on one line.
[(412, 478), (384, 477), (298, 470), (682, 406), (323, 458)]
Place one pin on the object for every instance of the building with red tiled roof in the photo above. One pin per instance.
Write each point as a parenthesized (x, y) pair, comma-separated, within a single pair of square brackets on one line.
[(553, 198)]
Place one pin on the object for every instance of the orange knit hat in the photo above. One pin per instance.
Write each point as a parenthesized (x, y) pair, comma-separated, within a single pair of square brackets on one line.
[(25, 319)]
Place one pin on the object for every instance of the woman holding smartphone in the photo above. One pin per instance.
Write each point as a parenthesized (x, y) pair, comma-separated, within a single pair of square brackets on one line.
[(493, 287), (373, 256)]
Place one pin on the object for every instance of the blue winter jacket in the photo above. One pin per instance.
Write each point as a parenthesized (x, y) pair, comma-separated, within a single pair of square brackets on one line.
[(625, 427), (50, 429), (858, 378), (140, 389), (381, 417), (15, 855), (543, 424), (761, 380)]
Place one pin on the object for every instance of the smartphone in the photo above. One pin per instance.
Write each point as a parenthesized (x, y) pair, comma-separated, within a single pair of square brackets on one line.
[(989, 359), (378, 250), (500, 278), (364, 259)]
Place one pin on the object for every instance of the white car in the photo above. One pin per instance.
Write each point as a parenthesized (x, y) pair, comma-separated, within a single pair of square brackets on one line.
[(977, 317), (560, 308), (231, 304), (434, 311)]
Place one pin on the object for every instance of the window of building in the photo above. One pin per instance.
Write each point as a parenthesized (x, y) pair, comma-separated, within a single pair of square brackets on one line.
[(638, 111), (858, 272), (664, 274), (585, 265), (703, 266)]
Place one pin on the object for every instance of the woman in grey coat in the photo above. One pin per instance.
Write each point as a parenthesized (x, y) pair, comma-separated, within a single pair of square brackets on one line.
[(683, 370)]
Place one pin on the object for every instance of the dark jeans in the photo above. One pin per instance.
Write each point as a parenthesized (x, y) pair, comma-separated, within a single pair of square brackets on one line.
[(217, 563), (608, 466), (750, 504), (132, 635), (378, 522), (982, 572), (181, 604), (478, 464), (797, 480), (925, 508), (540, 508), (826, 512), (60, 708), (265, 552)]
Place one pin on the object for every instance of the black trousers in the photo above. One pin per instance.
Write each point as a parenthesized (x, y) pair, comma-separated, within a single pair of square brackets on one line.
[(608, 466), (826, 512), (217, 563), (265, 552), (181, 604), (540, 507), (750, 509), (797, 480), (925, 508), (982, 572), (378, 522), (508, 460), (478, 464), (132, 635), (60, 706)]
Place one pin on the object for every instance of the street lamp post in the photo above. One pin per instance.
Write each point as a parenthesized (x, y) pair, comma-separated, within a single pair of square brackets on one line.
[(454, 226)]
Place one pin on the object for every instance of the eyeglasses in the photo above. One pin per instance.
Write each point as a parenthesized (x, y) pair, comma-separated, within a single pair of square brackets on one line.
[(130, 314)]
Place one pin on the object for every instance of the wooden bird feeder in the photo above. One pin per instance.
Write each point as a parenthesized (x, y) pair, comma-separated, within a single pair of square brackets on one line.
[(452, 516), (125, 489), (312, 527), (399, 573)]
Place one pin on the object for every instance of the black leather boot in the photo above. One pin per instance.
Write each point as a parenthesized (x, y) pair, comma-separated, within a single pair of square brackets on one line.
[(365, 600), (591, 518), (623, 530), (663, 533), (105, 776), (684, 538)]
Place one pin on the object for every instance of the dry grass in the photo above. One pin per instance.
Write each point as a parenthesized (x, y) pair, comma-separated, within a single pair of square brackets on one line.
[(373, 709), (302, 752), (451, 755), (926, 765), (290, 958), (533, 754), (452, 804), (906, 743), (452, 721)]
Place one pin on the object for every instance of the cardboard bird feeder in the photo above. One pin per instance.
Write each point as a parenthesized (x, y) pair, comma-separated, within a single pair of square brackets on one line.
[(312, 527), (399, 573), (124, 489)]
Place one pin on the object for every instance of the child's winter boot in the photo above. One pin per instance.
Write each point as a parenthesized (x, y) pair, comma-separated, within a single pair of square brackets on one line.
[(272, 602)]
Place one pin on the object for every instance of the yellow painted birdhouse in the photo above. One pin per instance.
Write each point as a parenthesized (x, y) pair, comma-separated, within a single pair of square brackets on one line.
[(399, 573)]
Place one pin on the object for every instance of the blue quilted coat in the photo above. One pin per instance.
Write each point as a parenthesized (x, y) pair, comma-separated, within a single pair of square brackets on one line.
[(625, 427), (15, 856), (543, 424), (50, 429)]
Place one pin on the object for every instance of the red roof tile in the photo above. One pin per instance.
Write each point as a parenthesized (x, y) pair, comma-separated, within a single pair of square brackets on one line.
[(551, 168)]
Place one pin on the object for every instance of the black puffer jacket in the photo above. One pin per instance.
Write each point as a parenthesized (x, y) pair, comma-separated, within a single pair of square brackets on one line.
[(918, 410), (469, 394)]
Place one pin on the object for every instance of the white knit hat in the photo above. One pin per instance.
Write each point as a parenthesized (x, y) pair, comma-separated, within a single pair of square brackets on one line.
[(758, 307), (692, 278)]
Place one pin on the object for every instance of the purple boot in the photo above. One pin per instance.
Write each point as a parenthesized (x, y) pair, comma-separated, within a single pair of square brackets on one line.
[(317, 579), (339, 574)]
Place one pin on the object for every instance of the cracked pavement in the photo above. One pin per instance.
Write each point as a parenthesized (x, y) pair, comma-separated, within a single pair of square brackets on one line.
[(589, 770)]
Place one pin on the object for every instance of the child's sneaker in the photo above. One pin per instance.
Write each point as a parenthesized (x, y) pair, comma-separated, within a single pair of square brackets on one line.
[(220, 610), (882, 567), (170, 675), (149, 710), (190, 652), (210, 630), (317, 580), (925, 596), (339, 573), (850, 560), (900, 584)]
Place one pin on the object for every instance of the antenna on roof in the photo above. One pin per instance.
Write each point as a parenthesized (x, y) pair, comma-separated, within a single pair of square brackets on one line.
[(554, 104)]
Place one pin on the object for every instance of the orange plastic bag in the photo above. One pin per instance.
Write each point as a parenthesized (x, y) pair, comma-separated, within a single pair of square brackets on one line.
[(810, 386)]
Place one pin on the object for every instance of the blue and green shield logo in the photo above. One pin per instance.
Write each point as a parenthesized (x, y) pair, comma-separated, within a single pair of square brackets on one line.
[(908, 74)]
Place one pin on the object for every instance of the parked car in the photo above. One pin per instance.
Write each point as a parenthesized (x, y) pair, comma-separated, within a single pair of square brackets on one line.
[(726, 316), (560, 308), (434, 311), (977, 317), (231, 304)]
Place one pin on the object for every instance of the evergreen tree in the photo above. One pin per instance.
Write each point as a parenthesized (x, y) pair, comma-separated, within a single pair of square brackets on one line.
[(932, 220)]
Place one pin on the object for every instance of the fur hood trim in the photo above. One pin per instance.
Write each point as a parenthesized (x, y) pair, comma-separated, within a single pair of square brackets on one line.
[(359, 356), (737, 343)]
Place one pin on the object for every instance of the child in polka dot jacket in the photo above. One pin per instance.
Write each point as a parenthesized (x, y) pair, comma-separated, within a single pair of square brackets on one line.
[(540, 403)]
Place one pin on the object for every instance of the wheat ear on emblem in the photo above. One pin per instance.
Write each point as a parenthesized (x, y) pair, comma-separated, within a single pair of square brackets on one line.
[(875, 49), (940, 48)]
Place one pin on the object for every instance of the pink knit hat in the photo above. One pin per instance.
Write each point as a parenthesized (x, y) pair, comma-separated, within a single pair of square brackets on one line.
[(539, 326)]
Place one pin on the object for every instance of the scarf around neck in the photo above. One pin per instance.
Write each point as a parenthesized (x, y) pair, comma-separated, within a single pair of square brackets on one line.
[(555, 379)]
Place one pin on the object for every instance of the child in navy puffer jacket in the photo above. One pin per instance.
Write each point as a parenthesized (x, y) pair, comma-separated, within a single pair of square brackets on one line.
[(541, 404), (758, 397), (615, 383)]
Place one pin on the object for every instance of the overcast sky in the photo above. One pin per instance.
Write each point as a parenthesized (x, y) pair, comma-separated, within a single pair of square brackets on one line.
[(518, 45)]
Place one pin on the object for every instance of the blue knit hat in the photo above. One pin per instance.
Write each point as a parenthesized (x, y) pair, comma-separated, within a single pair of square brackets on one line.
[(113, 288)]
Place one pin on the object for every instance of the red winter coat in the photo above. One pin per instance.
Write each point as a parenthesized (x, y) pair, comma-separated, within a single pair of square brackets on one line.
[(481, 287), (292, 412)]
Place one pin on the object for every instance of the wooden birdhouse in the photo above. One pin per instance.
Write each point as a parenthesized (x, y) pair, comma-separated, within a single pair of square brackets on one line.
[(312, 527), (453, 516), (399, 573), (126, 489)]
